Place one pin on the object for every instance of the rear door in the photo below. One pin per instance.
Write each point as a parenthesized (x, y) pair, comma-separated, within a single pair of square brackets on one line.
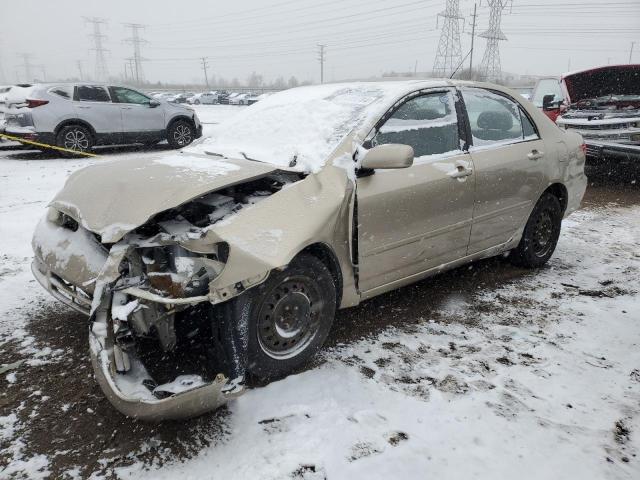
[(507, 154), (140, 121), (92, 103), (414, 219)]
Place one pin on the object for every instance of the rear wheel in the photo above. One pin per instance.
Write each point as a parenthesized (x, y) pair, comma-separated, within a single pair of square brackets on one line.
[(540, 235), (180, 134), (287, 318), (75, 138)]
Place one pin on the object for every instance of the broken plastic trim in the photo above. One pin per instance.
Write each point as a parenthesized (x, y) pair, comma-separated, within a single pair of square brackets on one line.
[(138, 402)]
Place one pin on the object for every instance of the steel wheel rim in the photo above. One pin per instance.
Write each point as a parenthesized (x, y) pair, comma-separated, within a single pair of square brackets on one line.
[(289, 318), (182, 135), (76, 140), (543, 231)]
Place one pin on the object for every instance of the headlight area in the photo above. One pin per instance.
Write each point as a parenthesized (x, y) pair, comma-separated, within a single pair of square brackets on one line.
[(161, 285)]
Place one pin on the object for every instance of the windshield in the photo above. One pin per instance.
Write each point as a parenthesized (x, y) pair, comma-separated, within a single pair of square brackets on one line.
[(303, 124)]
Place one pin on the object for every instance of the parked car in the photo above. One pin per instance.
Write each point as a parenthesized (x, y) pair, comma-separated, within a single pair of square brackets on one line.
[(206, 98), (603, 105), (239, 99), (223, 97), (256, 98), (82, 115), (179, 97), (549, 97), (241, 248)]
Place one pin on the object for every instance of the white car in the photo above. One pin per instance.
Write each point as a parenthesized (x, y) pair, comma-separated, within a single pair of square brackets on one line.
[(240, 99), (206, 98)]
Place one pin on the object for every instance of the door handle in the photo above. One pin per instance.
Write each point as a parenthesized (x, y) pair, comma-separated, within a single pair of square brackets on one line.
[(535, 155), (84, 106), (126, 108), (461, 171)]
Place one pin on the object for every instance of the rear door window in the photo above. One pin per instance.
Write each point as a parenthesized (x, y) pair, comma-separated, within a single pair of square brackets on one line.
[(427, 122), (495, 119), (91, 93)]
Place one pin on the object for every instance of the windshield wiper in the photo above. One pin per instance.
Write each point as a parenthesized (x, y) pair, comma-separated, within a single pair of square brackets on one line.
[(215, 154), (249, 158)]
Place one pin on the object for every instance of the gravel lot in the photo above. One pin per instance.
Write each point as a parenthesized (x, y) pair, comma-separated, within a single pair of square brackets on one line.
[(487, 371)]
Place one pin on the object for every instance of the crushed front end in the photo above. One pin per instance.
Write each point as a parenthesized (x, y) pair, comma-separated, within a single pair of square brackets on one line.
[(158, 345)]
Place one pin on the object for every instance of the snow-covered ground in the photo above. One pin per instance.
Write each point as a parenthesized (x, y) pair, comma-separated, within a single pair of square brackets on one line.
[(487, 372)]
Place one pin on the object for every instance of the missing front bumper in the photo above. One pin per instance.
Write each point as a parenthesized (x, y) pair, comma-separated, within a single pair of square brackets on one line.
[(128, 391)]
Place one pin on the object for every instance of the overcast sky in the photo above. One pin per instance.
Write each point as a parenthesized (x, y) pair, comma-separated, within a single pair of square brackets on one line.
[(280, 37)]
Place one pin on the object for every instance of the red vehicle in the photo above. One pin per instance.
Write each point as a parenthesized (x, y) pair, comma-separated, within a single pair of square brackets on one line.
[(602, 104)]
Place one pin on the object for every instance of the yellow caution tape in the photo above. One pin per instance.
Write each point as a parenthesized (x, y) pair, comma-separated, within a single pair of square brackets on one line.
[(44, 145)]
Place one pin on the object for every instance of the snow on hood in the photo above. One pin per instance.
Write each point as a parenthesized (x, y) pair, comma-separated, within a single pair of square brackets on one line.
[(603, 81), (305, 123), (113, 198)]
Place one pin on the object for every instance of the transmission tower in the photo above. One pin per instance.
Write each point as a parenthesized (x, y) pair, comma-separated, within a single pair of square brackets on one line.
[(449, 55), (27, 66), (136, 41), (102, 73), (490, 68)]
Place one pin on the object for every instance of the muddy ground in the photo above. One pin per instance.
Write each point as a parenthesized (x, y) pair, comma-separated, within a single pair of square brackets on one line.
[(66, 417)]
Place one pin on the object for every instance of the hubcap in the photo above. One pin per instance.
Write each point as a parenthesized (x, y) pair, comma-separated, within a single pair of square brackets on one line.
[(543, 233), (182, 135), (76, 140), (289, 318)]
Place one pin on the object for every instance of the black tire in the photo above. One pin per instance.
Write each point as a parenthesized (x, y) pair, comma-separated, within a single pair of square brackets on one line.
[(196, 102), (540, 235), (279, 346), (181, 133), (74, 137)]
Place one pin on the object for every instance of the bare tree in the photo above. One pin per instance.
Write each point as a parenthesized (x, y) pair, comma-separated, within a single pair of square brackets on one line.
[(293, 82)]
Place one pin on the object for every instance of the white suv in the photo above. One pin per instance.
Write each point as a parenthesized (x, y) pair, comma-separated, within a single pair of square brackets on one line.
[(81, 116)]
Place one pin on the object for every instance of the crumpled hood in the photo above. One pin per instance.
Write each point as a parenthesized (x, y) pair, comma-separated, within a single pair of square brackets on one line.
[(113, 198), (602, 81)]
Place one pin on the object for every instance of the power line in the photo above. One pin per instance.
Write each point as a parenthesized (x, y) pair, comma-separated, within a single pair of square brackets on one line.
[(102, 73), (449, 52), (490, 68), (473, 36), (27, 66), (136, 41), (321, 59), (204, 68)]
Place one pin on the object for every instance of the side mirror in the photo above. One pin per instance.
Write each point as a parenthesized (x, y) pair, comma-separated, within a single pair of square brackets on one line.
[(392, 155), (154, 102), (547, 102)]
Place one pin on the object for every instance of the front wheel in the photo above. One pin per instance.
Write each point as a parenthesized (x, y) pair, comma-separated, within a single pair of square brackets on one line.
[(286, 319), (180, 134), (540, 235), (74, 138)]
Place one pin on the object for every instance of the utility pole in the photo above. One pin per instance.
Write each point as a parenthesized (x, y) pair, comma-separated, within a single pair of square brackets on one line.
[(204, 68), (136, 41), (490, 67), (44, 72), (631, 51), (101, 73), (449, 54), (79, 64), (473, 36), (321, 59), (27, 66)]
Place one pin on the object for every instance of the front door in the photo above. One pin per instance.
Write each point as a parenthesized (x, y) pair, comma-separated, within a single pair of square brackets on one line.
[(507, 153), (140, 121), (415, 219)]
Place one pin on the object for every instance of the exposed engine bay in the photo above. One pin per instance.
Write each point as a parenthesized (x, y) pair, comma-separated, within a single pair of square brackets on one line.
[(155, 334)]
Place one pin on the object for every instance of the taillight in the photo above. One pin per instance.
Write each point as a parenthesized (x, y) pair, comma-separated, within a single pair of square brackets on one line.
[(36, 103), (583, 147)]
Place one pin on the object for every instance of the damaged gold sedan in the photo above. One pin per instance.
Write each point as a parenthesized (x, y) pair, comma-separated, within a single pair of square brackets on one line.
[(206, 270)]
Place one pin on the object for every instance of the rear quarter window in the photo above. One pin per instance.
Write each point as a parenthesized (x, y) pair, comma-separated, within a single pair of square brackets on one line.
[(64, 92)]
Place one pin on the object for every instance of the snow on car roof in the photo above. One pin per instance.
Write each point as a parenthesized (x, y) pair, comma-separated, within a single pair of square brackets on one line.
[(305, 123)]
